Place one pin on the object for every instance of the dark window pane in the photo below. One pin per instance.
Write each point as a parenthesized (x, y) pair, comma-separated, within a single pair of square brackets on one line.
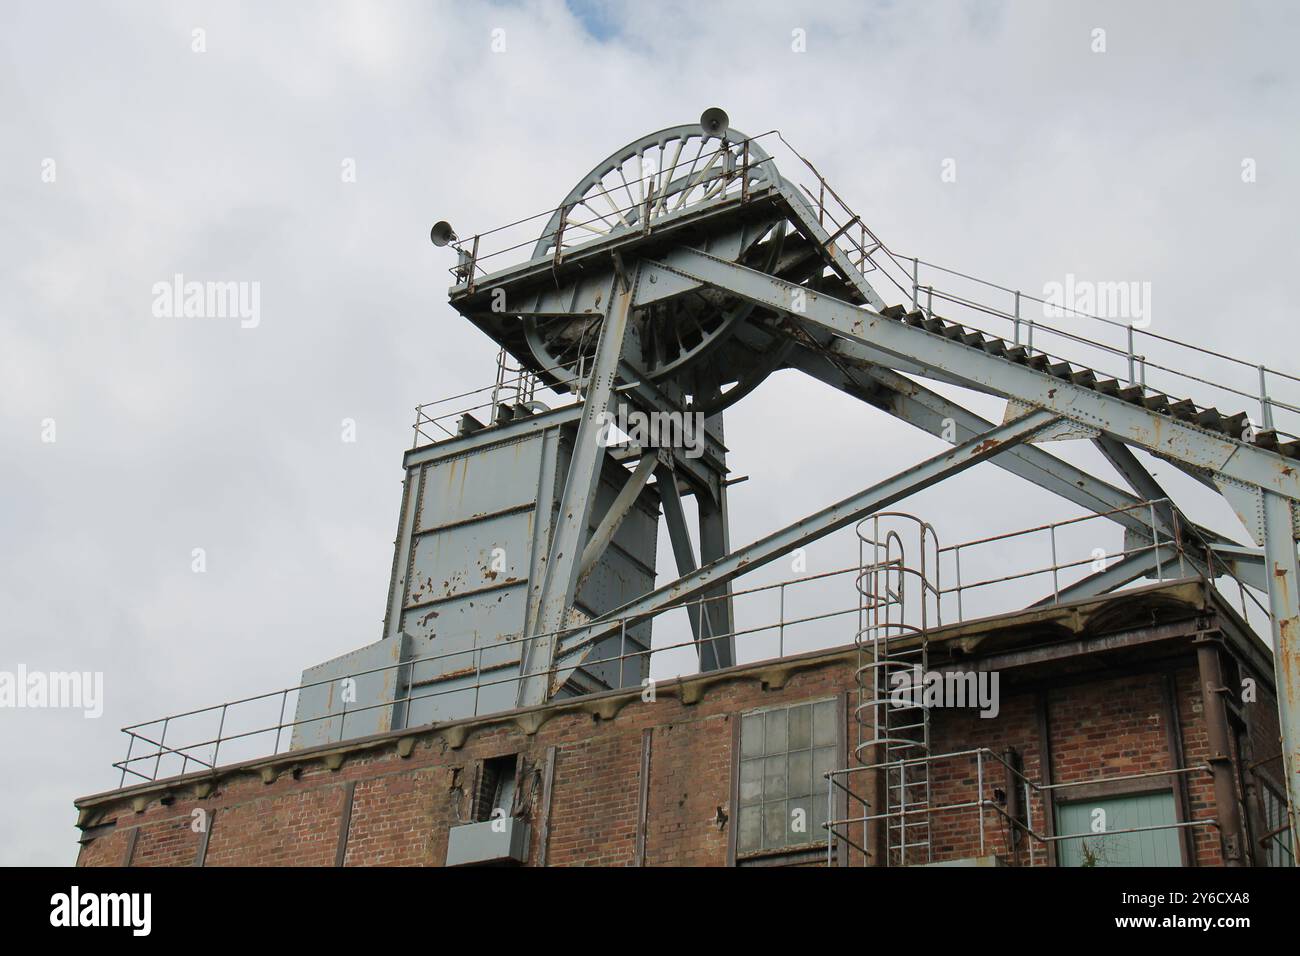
[(823, 762), (774, 824), (750, 835), (801, 727), (824, 724), (776, 735), (774, 779), (751, 782), (801, 773), (751, 736), (819, 817)]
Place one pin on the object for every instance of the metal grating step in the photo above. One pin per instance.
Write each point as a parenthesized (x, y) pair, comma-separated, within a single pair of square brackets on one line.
[(1232, 425)]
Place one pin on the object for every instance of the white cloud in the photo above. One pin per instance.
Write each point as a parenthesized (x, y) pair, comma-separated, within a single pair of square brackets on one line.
[(225, 165)]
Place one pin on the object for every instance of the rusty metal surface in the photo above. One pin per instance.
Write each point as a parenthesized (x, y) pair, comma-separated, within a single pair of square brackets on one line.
[(468, 525)]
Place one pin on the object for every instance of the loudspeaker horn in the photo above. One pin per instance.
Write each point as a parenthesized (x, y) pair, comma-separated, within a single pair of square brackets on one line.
[(715, 122), (442, 233)]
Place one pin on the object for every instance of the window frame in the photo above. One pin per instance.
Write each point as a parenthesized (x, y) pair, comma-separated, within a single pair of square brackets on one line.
[(1266, 788), (811, 850), (1117, 790)]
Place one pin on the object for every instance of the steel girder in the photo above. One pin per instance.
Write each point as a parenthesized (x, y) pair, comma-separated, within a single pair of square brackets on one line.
[(716, 648), (609, 524), (691, 586), (553, 593), (1280, 519), (947, 358), (845, 367), (1273, 475)]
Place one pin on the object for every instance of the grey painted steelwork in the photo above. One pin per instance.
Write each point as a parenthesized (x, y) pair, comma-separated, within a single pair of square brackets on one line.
[(580, 641), (673, 278), (473, 538), (343, 697), (504, 840)]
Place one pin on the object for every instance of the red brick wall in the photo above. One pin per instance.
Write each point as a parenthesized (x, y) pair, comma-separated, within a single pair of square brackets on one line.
[(956, 834), (394, 817), (682, 823), (297, 828), (106, 850), (402, 808), (172, 842)]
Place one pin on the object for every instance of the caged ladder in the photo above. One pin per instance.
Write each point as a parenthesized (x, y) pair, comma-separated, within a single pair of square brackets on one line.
[(893, 726)]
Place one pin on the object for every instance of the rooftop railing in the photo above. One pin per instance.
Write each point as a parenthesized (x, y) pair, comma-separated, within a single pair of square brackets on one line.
[(1009, 800), (1111, 339), (772, 620)]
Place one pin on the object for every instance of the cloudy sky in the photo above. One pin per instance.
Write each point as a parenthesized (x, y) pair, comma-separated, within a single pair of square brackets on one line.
[(129, 439)]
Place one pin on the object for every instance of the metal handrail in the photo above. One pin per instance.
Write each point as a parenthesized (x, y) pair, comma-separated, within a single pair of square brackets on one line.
[(882, 256), (156, 749), (867, 247), (837, 781)]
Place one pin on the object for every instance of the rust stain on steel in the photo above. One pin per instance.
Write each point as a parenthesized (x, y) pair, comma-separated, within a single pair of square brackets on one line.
[(985, 445)]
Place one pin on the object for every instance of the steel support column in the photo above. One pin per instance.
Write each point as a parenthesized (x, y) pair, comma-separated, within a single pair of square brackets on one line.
[(813, 527), (684, 555), (1283, 573), (715, 542), (1129, 423), (1219, 738), (553, 592)]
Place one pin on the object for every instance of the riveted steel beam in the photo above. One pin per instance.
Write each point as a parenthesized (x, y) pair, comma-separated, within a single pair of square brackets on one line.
[(1129, 423), (554, 589), (815, 526), (1280, 520), (912, 402), (710, 656), (618, 509)]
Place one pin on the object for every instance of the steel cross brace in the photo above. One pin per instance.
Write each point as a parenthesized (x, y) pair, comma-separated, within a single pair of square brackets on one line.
[(1129, 423), (1283, 572), (1273, 475), (554, 591), (778, 543), (850, 370)]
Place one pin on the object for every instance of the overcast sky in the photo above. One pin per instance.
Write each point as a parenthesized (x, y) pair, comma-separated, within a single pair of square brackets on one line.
[(127, 157)]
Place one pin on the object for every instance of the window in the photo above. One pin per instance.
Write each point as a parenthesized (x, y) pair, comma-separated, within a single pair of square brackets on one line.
[(783, 754), (496, 787), (1099, 845), (1277, 849)]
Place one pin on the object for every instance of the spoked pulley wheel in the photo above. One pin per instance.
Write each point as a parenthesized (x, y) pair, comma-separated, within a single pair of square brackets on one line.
[(688, 339)]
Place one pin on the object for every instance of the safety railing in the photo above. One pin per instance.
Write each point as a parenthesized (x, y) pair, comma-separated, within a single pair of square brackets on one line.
[(440, 419), (1009, 799), (1110, 338), (658, 194), (205, 752), (769, 623), (1118, 345), (1162, 549)]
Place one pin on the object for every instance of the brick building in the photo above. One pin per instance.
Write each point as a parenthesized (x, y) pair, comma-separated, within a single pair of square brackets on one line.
[(1153, 708)]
